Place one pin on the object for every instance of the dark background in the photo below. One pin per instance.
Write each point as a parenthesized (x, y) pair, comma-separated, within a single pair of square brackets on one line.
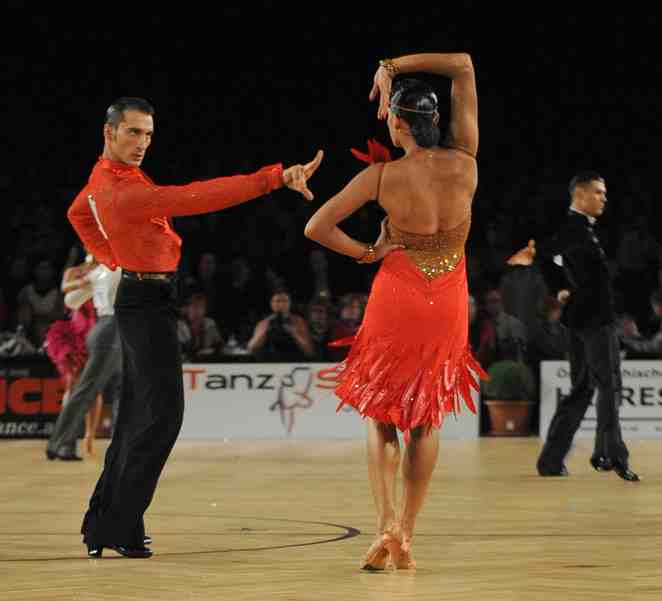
[(254, 85)]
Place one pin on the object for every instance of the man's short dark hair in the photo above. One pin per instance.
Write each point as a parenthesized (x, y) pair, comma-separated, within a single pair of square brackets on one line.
[(656, 296), (115, 112), (583, 177)]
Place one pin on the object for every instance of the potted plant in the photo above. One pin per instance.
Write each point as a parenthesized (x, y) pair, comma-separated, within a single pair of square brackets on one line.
[(508, 396)]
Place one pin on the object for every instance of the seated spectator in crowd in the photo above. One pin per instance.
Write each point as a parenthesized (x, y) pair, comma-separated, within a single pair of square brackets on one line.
[(639, 346), (352, 306), (474, 331), (40, 303), (241, 300), (319, 323), (481, 332), (637, 258), (549, 338), (475, 275), (198, 334), (208, 280), (282, 336), (502, 336), (523, 290)]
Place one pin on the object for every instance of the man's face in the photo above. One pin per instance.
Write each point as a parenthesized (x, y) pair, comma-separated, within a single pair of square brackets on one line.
[(196, 310), (280, 303), (351, 311), (592, 197), (657, 309), (493, 304), (555, 315), (128, 142), (318, 316)]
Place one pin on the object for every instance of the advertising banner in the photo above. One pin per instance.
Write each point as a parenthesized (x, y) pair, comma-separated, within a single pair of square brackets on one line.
[(278, 400), (641, 398)]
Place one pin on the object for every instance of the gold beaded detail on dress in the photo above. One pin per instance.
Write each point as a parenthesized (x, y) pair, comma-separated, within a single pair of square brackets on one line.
[(433, 254)]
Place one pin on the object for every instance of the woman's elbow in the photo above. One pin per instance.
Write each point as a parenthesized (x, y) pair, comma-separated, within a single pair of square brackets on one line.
[(464, 63), (311, 230)]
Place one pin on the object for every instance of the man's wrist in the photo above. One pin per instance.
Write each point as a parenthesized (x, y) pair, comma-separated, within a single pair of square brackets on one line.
[(274, 175)]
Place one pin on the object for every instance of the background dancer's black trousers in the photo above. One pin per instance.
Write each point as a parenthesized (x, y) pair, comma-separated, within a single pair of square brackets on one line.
[(594, 363)]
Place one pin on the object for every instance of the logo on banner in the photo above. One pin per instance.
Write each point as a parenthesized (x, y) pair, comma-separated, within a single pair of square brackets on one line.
[(293, 393)]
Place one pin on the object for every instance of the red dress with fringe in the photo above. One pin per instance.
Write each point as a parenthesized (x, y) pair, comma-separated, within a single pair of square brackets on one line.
[(410, 363)]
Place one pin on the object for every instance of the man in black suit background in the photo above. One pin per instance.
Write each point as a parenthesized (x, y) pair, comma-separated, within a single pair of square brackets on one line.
[(590, 317)]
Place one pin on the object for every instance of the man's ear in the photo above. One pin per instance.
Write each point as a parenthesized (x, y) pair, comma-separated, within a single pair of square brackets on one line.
[(108, 131)]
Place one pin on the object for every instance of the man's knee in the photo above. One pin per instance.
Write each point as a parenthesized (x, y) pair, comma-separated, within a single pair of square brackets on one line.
[(577, 399)]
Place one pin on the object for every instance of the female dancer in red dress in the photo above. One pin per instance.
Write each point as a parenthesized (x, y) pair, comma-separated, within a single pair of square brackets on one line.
[(410, 362)]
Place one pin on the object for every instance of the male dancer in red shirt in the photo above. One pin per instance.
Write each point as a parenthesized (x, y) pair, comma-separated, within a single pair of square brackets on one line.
[(123, 219)]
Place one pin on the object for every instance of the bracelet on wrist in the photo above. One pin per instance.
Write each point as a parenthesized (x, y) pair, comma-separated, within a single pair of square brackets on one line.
[(389, 66), (368, 256)]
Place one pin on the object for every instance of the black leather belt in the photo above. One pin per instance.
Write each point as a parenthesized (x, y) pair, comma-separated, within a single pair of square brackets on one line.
[(143, 276)]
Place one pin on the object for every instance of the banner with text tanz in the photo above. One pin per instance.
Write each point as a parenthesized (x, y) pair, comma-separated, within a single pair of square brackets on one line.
[(278, 400)]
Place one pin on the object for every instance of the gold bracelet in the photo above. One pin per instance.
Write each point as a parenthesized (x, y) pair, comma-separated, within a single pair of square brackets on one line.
[(368, 256), (389, 66)]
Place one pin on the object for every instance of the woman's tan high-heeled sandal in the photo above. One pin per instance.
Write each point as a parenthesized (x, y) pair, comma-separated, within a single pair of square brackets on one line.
[(376, 558)]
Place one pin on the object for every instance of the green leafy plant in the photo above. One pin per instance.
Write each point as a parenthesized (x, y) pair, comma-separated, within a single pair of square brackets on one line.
[(509, 381)]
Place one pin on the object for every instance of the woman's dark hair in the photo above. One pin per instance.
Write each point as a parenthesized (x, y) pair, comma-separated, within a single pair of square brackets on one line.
[(115, 112), (416, 103)]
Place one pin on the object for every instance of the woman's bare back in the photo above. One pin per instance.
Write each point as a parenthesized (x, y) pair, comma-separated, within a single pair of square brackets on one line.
[(429, 191)]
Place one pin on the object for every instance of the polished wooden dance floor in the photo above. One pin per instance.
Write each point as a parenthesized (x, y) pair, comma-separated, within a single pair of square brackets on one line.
[(289, 521)]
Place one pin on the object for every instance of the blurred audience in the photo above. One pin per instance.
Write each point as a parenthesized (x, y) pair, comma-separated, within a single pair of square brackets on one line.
[(282, 336), (649, 347), (40, 302), (501, 336), (352, 307), (319, 324), (198, 333)]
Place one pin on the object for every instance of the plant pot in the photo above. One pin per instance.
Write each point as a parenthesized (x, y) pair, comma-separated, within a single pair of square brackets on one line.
[(510, 418)]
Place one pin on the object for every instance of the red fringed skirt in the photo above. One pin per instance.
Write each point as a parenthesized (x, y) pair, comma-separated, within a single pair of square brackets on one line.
[(65, 340), (410, 363)]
